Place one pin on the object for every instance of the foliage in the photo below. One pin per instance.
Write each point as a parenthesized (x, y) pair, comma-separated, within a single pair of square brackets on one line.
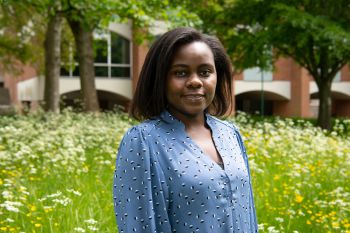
[(57, 171), (20, 36), (299, 29), (143, 14), (315, 33)]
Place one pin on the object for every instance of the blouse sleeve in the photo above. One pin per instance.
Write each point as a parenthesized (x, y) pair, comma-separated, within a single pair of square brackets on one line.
[(253, 219), (140, 202)]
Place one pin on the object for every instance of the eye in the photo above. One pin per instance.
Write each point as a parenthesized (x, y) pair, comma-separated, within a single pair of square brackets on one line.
[(205, 73), (180, 73)]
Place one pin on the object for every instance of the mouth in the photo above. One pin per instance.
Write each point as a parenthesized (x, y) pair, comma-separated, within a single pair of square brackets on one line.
[(194, 97)]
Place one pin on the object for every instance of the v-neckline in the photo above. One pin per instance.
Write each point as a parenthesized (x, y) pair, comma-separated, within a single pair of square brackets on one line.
[(205, 156), (168, 117)]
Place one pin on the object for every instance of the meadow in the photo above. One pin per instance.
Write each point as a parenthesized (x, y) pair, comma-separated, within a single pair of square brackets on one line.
[(56, 173)]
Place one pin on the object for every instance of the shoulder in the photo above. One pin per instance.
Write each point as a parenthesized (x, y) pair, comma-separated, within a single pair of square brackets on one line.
[(142, 130)]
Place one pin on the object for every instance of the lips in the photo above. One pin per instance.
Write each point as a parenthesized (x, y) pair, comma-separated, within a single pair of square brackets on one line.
[(194, 97)]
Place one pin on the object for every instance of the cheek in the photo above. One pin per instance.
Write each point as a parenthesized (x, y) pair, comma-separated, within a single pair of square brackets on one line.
[(213, 85), (171, 89)]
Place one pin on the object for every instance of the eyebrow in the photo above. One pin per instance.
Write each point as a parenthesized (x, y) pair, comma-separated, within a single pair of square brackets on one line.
[(179, 65), (184, 65)]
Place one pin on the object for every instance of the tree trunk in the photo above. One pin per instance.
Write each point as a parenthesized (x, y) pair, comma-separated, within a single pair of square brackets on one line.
[(324, 111), (84, 44), (52, 46)]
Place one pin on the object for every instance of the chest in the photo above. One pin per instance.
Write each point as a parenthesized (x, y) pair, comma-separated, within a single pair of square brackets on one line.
[(189, 171), (203, 139)]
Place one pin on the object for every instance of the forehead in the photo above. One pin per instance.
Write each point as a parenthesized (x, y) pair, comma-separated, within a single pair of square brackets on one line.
[(193, 51)]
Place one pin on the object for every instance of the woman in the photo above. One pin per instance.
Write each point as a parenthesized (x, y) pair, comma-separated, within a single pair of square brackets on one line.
[(183, 170)]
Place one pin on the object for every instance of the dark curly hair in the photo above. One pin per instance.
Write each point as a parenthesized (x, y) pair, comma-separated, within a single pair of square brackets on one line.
[(150, 98)]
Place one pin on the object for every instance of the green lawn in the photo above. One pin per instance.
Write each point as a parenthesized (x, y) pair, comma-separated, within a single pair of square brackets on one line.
[(56, 173)]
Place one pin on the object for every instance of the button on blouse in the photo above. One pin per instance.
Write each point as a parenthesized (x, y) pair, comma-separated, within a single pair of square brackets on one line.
[(164, 182)]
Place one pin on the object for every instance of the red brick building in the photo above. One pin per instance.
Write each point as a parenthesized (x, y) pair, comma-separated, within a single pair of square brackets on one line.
[(289, 91)]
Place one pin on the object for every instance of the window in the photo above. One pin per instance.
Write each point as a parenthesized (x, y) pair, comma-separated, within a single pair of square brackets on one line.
[(254, 74), (112, 57), (337, 77)]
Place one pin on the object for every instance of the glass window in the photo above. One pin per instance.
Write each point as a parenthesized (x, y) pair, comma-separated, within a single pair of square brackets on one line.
[(64, 71), (101, 50), (101, 71), (75, 72), (120, 49), (112, 57), (337, 77), (254, 74), (122, 72)]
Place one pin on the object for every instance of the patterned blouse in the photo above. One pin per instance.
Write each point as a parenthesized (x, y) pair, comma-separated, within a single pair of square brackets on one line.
[(165, 183)]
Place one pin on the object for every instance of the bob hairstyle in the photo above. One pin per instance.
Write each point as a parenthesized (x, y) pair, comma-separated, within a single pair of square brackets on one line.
[(150, 97)]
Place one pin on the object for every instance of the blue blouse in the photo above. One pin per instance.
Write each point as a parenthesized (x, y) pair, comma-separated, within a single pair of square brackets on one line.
[(164, 182)]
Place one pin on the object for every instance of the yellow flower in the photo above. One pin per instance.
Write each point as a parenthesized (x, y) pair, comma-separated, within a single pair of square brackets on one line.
[(48, 210), (37, 225), (335, 224), (332, 213), (298, 198), (311, 167), (33, 208), (308, 222)]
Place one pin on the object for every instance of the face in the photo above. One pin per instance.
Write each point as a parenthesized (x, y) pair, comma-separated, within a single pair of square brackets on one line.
[(191, 80)]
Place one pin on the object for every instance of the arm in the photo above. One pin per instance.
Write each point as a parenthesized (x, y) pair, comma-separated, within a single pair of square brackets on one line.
[(253, 218), (140, 203)]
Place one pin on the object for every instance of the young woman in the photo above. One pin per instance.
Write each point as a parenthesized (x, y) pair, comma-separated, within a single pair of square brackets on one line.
[(182, 169)]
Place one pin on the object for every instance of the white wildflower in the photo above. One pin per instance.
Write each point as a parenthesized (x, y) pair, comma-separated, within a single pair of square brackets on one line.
[(92, 228), (74, 192), (278, 219), (261, 227), (79, 229), (91, 221), (11, 206), (7, 194), (64, 201), (272, 229)]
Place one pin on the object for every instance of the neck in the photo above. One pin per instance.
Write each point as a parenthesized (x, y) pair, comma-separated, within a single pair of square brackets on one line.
[(190, 121)]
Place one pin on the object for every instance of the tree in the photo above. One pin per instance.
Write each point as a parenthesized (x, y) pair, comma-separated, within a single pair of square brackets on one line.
[(315, 33), (86, 16), (52, 45)]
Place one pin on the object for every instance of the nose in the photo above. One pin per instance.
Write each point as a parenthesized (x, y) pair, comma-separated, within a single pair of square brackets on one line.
[(194, 81)]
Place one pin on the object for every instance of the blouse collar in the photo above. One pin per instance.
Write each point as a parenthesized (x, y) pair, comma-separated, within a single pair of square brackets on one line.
[(170, 119)]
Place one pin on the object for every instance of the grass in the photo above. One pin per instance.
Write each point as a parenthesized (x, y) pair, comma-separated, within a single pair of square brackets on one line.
[(56, 173)]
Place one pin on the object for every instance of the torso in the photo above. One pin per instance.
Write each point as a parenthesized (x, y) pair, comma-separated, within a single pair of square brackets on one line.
[(190, 192)]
